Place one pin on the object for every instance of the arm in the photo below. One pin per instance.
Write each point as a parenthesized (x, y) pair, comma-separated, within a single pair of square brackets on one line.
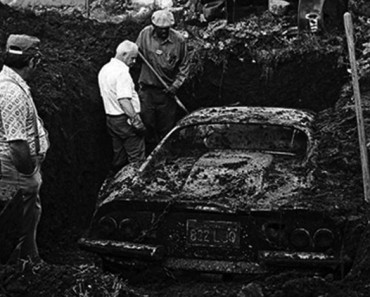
[(125, 90), (127, 107), (140, 41), (29, 173), (15, 129), (184, 67), (16, 136), (135, 119)]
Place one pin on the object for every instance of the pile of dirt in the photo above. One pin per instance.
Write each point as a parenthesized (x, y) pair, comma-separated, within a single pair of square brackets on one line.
[(68, 281)]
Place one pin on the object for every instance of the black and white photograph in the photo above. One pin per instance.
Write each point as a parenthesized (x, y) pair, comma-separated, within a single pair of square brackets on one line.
[(184, 148)]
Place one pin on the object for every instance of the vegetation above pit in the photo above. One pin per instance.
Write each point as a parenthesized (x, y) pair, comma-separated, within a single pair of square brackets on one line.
[(264, 39)]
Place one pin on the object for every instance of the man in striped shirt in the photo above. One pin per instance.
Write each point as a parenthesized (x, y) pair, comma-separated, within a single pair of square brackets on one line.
[(23, 142)]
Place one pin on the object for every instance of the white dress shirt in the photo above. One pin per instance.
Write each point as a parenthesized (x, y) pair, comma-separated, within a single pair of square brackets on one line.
[(116, 82)]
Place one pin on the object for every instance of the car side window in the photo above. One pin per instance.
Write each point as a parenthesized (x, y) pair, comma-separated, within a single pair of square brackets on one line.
[(188, 141)]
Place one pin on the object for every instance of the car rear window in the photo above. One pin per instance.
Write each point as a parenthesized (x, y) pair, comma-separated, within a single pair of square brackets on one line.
[(255, 137)]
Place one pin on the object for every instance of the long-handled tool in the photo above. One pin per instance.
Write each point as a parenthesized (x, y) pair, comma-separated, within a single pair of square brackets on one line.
[(359, 115), (179, 103)]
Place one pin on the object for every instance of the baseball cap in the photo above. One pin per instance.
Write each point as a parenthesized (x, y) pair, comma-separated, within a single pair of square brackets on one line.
[(163, 18), (22, 44)]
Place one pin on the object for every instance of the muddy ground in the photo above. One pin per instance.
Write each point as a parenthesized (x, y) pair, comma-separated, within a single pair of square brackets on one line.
[(66, 94)]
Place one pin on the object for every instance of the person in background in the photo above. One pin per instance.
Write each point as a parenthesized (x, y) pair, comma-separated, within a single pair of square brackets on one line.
[(166, 50), (23, 143), (122, 107)]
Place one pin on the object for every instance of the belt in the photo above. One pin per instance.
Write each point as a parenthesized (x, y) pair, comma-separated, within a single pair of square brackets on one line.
[(145, 86), (115, 115)]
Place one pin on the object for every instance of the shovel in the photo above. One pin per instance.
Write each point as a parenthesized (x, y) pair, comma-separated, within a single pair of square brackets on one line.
[(179, 103), (359, 115)]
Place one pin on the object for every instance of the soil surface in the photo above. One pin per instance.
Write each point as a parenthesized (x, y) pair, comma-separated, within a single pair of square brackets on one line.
[(67, 97)]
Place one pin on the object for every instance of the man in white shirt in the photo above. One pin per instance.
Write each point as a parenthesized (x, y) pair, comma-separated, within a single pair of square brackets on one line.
[(122, 107)]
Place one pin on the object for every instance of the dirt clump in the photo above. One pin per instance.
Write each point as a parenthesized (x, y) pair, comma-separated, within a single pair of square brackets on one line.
[(54, 280)]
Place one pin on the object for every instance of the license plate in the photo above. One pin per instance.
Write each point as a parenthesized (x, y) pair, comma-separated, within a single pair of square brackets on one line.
[(213, 233)]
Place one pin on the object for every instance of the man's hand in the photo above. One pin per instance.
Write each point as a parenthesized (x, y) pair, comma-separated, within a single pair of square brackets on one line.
[(138, 125), (171, 90)]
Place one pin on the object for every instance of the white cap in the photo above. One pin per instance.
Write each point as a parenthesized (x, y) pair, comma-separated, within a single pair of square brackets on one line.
[(163, 19)]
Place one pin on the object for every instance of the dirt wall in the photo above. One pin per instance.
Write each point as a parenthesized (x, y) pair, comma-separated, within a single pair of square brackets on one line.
[(311, 81)]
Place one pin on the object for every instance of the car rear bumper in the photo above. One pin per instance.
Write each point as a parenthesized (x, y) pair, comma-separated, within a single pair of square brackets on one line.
[(301, 258), (215, 266), (122, 249), (127, 250), (265, 260)]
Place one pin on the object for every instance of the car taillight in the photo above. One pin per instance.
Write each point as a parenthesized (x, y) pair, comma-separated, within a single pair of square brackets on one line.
[(107, 225), (274, 231), (323, 238), (129, 228), (300, 238)]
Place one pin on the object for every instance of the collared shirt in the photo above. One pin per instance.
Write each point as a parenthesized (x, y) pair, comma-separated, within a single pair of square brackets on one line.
[(115, 82), (168, 57), (18, 113)]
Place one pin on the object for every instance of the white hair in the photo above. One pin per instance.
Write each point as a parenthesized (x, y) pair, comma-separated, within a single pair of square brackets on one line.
[(126, 47)]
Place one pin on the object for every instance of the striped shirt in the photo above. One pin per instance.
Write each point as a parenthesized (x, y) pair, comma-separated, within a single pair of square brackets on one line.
[(17, 114)]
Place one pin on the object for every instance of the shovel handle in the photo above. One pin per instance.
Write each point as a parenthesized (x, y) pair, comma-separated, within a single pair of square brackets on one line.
[(359, 115), (179, 103)]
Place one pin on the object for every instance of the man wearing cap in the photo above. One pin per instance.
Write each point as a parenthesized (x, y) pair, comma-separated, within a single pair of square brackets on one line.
[(122, 107), (23, 142), (165, 49)]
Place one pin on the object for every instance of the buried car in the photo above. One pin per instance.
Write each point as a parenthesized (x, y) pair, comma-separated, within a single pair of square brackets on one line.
[(225, 191)]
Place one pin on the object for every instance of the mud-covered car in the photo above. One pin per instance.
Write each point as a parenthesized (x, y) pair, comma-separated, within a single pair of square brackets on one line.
[(227, 190)]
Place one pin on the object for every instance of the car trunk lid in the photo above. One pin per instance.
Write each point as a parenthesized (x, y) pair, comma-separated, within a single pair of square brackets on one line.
[(216, 171)]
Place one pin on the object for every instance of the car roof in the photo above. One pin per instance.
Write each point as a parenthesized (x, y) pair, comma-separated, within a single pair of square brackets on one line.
[(297, 118)]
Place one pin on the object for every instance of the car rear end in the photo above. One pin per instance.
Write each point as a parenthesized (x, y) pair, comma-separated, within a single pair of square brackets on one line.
[(253, 242), (212, 239)]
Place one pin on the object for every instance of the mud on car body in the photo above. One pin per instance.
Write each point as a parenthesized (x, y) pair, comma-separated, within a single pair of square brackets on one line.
[(224, 191)]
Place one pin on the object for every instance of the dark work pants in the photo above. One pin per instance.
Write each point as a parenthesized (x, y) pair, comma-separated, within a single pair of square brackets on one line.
[(158, 112), (26, 248), (10, 183), (128, 147)]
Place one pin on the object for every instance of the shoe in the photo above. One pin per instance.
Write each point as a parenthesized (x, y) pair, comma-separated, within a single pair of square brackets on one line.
[(37, 265), (29, 264)]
